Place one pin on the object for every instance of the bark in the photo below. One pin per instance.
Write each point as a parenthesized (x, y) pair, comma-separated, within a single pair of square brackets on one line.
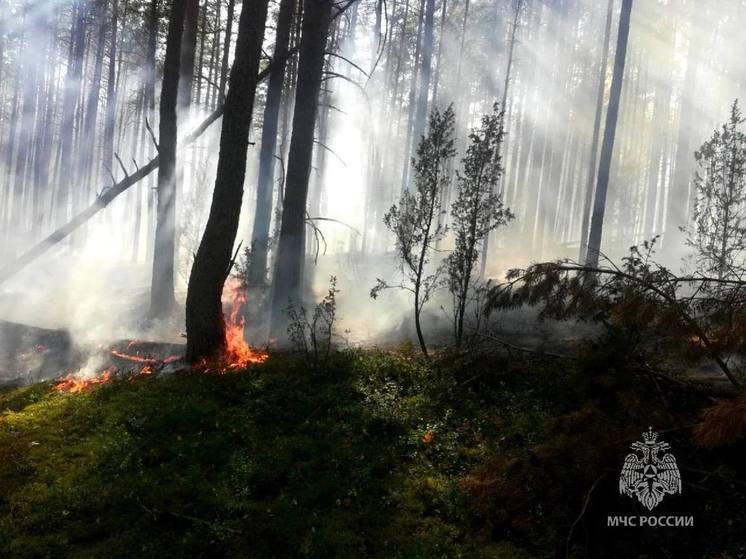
[(204, 313), (162, 299), (287, 278), (263, 214), (604, 166)]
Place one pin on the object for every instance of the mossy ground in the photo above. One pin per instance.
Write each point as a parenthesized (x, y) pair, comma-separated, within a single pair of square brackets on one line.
[(368, 454)]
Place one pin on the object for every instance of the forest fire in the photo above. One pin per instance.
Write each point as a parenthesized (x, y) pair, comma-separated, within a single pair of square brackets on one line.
[(238, 353), (127, 365), (73, 384), (138, 358)]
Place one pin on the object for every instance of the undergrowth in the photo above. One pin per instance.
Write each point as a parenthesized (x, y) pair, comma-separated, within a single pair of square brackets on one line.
[(368, 454)]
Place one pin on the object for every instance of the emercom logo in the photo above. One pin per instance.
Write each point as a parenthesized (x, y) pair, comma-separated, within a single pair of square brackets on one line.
[(649, 473)]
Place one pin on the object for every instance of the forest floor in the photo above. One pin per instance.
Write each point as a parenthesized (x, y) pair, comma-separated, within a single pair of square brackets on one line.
[(368, 453)]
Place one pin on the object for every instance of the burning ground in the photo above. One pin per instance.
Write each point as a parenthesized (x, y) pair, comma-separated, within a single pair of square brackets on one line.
[(29, 354), (366, 453)]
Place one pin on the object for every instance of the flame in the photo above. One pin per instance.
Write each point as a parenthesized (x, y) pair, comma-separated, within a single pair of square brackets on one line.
[(237, 355), (74, 384), (237, 352)]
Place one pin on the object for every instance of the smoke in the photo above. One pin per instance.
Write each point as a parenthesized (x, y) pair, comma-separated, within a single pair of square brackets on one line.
[(684, 68)]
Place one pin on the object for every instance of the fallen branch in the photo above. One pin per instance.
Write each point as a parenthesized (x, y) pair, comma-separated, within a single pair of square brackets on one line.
[(508, 345), (669, 298)]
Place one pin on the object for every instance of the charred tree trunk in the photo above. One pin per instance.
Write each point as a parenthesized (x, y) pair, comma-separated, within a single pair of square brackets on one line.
[(287, 279), (263, 214), (607, 150), (162, 299), (204, 313)]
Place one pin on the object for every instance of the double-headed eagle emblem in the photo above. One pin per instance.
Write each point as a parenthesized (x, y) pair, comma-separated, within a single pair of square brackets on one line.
[(647, 475)]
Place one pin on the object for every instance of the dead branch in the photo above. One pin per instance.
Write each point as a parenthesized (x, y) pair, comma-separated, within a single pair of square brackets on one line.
[(523, 349), (121, 164), (152, 135)]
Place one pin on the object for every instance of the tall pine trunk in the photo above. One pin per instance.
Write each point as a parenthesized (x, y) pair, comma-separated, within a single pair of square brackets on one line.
[(65, 180), (263, 214), (226, 48), (111, 90), (288, 275), (596, 133), (607, 150), (162, 299), (425, 70), (204, 313)]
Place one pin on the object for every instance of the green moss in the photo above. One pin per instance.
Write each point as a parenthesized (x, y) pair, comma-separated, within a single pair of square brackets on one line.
[(372, 455)]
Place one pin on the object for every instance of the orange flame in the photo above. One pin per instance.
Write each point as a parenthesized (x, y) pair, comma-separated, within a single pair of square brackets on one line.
[(74, 384), (238, 353)]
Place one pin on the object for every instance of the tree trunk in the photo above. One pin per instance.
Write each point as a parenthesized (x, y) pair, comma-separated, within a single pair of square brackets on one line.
[(596, 133), (111, 90), (677, 213), (517, 8), (226, 49), (188, 48), (287, 279), (265, 183), (412, 102), (204, 313), (162, 299), (607, 150), (70, 110), (425, 70)]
